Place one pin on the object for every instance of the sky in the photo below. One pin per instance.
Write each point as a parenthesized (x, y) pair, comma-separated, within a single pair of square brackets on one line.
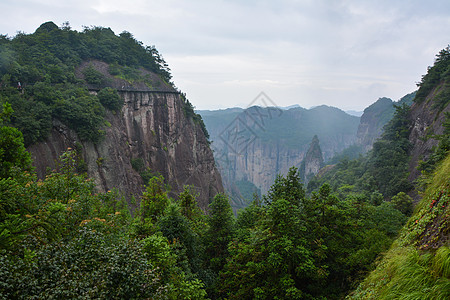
[(223, 54)]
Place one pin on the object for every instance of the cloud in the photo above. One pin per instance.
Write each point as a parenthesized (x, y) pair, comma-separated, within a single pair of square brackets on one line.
[(311, 52)]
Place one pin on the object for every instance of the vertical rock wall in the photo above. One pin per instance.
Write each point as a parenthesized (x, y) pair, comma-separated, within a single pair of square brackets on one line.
[(151, 127)]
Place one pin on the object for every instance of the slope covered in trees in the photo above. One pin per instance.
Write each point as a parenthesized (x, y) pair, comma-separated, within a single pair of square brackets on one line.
[(382, 172), (41, 77), (418, 264), (58, 238)]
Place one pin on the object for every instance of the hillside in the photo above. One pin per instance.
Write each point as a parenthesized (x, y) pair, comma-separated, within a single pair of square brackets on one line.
[(112, 100), (417, 266)]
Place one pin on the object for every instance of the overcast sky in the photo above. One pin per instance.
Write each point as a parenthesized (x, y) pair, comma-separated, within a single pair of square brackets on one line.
[(224, 53)]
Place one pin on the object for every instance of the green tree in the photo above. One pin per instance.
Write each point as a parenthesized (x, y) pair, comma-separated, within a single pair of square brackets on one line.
[(110, 99), (289, 188), (403, 202), (12, 149), (154, 200), (220, 232)]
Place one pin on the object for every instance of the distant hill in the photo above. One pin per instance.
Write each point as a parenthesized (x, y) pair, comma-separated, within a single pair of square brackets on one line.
[(252, 146), (375, 117), (355, 113)]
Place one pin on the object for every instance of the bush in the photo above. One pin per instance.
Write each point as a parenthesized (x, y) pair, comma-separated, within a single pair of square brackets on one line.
[(92, 76), (110, 99)]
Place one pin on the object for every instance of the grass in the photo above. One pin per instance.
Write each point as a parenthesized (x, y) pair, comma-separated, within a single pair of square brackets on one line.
[(418, 264)]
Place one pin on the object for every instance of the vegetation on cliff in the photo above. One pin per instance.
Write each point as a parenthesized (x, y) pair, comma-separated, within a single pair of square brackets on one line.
[(384, 170), (418, 264), (42, 78)]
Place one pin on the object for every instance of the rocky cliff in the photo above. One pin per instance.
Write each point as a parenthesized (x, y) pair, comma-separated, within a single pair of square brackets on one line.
[(312, 162), (256, 144), (375, 117), (151, 127), (372, 121), (427, 122)]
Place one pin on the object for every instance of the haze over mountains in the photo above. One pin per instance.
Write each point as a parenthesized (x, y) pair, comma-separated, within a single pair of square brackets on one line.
[(252, 146)]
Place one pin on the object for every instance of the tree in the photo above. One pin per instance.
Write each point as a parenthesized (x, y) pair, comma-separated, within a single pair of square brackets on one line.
[(289, 188), (110, 99), (403, 203), (12, 149), (220, 232), (154, 200)]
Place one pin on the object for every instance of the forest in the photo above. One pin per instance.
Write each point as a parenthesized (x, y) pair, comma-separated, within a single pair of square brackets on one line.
[(61, 238)]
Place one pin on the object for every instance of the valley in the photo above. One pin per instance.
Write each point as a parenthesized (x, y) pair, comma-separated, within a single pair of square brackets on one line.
[(113, 187)]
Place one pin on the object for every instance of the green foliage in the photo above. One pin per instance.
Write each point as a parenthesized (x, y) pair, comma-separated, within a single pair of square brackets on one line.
[(91, 265), (110, 99), (188, 203), (220, 232), (137, 164), (403, 203), (436, 75), (154, 200), (12, 150), (83, 113), (288, 188), (60, 240), (92, 76), (309, 248), (44, 62), (418, 264)]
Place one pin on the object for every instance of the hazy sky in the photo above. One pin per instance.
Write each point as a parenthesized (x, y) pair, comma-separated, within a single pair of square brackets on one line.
[(224, 53)]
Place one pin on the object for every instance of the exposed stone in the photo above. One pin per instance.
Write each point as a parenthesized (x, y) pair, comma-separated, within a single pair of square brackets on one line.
[(426, 122), (313, 161), (372, 121), (151, 126)]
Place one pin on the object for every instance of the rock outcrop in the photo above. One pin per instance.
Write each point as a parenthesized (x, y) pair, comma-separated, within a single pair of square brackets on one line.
[(375, 117), (312, 162), (151, 127), (427, 121), (372, 121), (258, 143)]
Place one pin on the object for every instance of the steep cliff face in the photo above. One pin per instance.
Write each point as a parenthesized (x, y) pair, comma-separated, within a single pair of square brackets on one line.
[(375, 117), (313, 161), (151, 127), (426, 121), (372, 121), (256, 144)]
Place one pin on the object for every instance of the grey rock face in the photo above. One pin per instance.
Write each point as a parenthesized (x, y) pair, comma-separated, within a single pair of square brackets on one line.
[(151, 127)]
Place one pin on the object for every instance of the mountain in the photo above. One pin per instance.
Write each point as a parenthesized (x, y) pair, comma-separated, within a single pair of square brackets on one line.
[(355, 113), (256, 144), (110, 99), (418, 263), (375, 117), (312, 162)]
